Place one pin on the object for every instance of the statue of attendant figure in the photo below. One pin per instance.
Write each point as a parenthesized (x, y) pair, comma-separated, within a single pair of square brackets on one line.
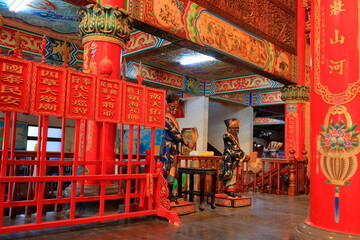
[(232, 156), (171, 138)]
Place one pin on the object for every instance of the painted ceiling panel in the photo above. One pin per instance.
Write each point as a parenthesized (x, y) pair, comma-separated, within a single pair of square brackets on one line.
[(204, 70), (56, 15)]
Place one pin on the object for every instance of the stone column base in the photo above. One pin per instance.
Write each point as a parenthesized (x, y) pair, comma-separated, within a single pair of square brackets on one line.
[(305, 231)]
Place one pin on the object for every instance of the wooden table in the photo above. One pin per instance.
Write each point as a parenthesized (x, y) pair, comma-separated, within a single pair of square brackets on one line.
[(202, 172)]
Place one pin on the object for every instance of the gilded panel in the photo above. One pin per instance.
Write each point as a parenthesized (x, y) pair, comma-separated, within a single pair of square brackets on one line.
[(263, 17)]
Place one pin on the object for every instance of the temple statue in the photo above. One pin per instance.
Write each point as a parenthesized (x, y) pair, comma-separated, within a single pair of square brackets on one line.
[(169, 149), (232, 156)]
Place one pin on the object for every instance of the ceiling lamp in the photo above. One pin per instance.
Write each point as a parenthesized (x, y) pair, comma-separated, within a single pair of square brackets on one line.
[(195, 59), (17, 5)]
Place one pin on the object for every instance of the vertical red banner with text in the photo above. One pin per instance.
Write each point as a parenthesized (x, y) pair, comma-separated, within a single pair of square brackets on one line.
[(80, 96), (108, 100), (15, 82), (293, 114), (48, 90), (155, 108), (335, 116), (134, 104)]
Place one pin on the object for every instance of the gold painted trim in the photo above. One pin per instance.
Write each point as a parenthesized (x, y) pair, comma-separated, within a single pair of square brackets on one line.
[(295, 101), (103, 38)]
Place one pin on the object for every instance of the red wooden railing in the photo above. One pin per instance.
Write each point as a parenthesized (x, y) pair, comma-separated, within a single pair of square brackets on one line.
[(27, 194), (46, 91), (277, 176), (32, 187)]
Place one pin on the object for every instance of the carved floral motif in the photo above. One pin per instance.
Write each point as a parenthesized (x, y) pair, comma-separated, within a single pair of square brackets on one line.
[(295, 93), (105, 21), (262, 15)]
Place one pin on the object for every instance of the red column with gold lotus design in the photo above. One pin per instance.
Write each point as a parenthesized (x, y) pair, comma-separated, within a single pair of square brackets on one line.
[(335, 116), (105, 29)]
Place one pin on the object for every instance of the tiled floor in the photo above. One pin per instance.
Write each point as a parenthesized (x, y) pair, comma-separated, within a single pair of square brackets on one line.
[(270, 217)]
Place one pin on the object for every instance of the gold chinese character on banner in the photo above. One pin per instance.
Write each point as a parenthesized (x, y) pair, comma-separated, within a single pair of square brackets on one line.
[(79, 110), (10, 89), (47, 106), (10, 100), (337, 39), (8, 67), (155, 96), (48, 73), (154, 119), (81, 87), (337, 66), (11, 78), (80, 95), (155, 111), (45, 98), (336, 7), (108, 104), (48, 90), (153, 104), (108, 113), (82, 103), (50, 82)]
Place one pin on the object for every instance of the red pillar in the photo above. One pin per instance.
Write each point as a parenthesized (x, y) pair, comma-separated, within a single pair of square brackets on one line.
[(103, 45), (295, 97), (335, 116)]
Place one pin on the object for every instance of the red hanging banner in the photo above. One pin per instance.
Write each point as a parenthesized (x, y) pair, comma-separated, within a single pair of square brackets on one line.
[(155, 108), (14, 84), (80, 95), (108, 100), (48, 90), (134, 104)]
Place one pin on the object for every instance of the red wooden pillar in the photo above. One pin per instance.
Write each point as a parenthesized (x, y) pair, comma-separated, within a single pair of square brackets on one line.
[(335, 116), (105, 30), (295, 97)]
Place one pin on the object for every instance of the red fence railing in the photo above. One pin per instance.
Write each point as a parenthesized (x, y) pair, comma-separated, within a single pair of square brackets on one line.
[(34, 186), (276, 176)]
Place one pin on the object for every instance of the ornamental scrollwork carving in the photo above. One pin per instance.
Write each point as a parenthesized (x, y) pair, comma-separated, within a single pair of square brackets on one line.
[(105, 21), (306, 5), (261, 17), (295, 93)]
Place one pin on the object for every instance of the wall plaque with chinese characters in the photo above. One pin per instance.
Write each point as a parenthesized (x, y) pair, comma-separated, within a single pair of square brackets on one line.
[(80, 95), (14, 84), (155, 107), (48, 90), (134, 104), (108, 100)]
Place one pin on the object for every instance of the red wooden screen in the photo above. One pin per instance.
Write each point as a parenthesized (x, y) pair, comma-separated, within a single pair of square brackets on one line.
[(34, 183)]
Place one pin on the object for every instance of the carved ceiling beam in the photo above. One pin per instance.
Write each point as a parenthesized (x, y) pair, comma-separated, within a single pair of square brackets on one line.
[(226, 41), (274, 20), (165, 79), (272, 97), (239, 98), (240, 84)]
